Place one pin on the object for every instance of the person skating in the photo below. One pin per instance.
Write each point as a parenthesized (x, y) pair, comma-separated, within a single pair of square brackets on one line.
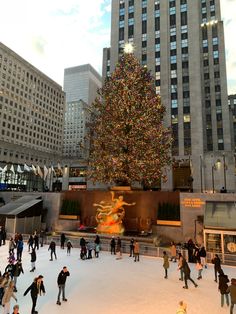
[(173, 252), (63, 240), (36, 288), (199, 268), (30, 243), (202, 254), (182, 309), (61, 281), (113, 245), (8, 294), (131, 248), (69, 247), (52, 248), (97, 250), (97, 240), (16, 309), (9, 268), (217, 265), (136, 251), (19, 248), (33, 260), (36, 240), (118, 248), (187, 272), (4, 283), (166, 264), (17, 270), (232, 291), (180, 268), (12, 246), (223, 286)]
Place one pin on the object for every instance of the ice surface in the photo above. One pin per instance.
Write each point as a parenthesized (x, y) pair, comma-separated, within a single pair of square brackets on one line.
[(109, 286)]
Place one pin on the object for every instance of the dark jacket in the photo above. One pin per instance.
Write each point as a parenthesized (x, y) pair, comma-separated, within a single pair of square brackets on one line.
[(217, 263), (82, 242), (223, 279), (17, 270), (63, 238), (52, 246), (232, 290), (9, 268), (61, 279), (33, 256), (202, 252), (34, 289), (185, 268)]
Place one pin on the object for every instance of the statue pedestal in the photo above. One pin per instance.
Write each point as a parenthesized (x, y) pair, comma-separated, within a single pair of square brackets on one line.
[(120, 188)]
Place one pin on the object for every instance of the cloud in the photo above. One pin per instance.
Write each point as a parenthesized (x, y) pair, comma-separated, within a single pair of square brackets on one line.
[(228, 16)]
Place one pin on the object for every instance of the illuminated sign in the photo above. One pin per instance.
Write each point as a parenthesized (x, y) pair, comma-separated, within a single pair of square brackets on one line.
[(192, 202)]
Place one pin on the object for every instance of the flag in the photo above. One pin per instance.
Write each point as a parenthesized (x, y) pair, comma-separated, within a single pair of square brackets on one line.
[(39, 171), (45, 172), (34, 169), (12, 169), (4, 169), (27, 168), (19, 169)]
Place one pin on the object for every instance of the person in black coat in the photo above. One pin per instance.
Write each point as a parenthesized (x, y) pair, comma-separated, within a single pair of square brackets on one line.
[(17, 270), (187, 271), (223, 286), (113, 245), (63, 240), (202, 255), (52, 247), (36, 241), (33, 259), (217, 265), (35, 288), (82, 242), (61, 281), (131, 248)]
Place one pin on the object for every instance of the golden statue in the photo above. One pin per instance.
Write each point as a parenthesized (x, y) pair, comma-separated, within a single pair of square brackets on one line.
[(110, 215)]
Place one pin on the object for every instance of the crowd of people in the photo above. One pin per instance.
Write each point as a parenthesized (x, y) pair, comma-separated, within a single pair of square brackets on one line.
[(91, 248)]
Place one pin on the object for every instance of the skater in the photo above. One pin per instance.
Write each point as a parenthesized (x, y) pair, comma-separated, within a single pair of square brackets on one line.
[(217, 265), (36, 240), (202, 254), (223, 286), (11, 246), (82, 242), (180, 268), (182, 309), (69, 247), (187, 272), (118, 248), (232, 291), (199, 268), (61, 281), (52, 247), (30, 243), (166, 264), (113, 245), (136, 251), (173, 252), (16, 309), (97, 240), (19, 248), (4, 283), (63, 240), (90, 247), (8, 294), (35, 288), (33, 260), (16, 271), (41, 236), (131, 248), (9, 268), (97, 250)]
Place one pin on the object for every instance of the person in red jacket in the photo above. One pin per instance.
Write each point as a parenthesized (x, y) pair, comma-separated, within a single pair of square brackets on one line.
[(61, 281)]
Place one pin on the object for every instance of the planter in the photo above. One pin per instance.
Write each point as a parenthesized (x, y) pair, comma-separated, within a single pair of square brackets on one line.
[(69, 217), (173, 223)]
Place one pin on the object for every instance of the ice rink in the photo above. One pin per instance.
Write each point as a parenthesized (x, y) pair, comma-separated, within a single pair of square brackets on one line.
[(109, 286)]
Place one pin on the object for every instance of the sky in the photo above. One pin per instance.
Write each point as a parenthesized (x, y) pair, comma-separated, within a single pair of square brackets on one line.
[(56, 34)]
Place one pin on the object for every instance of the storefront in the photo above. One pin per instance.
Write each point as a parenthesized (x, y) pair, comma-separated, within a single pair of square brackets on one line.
[(220, 230)]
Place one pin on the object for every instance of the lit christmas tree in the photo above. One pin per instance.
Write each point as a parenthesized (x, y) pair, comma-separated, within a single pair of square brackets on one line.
[(129, 142)]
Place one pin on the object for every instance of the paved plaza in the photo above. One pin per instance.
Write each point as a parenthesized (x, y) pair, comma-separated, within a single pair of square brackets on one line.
[(109, 286)]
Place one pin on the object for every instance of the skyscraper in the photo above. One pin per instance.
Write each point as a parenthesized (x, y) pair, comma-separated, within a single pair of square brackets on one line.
[(182, 43)]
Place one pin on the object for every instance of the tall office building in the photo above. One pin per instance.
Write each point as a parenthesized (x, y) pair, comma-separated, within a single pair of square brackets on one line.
[(182, 43), (80, 85), (232, 107), (31, 116)]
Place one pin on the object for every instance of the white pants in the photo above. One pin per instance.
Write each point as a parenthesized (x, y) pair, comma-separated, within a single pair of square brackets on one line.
[(6, 309)]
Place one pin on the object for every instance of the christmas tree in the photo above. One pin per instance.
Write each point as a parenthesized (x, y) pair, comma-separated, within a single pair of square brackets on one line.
[(129, 141)]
